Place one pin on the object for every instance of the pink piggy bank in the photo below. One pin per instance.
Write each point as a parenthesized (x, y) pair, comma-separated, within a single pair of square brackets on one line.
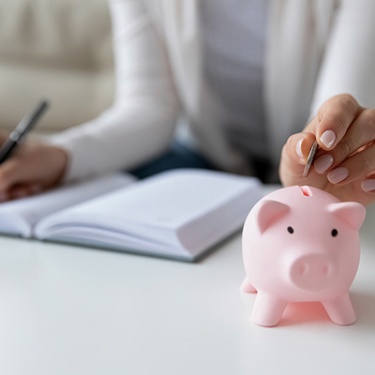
[(301, 244)]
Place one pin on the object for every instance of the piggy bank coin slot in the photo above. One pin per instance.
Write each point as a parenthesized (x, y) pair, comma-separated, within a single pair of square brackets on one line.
[(306, 191)]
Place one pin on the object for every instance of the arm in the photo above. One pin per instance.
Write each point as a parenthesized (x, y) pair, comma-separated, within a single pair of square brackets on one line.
[(138, 126), (141, 122)]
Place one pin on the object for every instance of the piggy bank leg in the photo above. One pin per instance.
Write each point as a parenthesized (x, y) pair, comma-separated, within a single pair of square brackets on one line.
[(247, 287), (340, 310), (267, 310)]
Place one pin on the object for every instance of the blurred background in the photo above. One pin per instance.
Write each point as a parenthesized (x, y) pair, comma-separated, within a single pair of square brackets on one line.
[(60, 50)]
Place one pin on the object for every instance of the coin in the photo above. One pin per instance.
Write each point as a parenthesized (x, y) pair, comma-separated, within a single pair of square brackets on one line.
[(310, 158)]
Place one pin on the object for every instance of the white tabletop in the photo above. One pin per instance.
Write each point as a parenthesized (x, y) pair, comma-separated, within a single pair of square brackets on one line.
[(68, 310)]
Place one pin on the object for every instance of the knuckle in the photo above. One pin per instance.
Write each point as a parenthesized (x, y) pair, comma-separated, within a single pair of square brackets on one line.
[(344, 149), (364, 161), (348, 102), (367, 164), (369, 114), (340, 111)]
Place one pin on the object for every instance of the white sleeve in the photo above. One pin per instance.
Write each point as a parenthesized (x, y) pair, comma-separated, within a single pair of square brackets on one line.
[(348, 65), (141, 122)]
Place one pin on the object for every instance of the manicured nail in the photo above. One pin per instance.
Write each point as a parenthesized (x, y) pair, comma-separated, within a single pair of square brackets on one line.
[(368, 185), (299, 148), (328, 138), (323, 163), (338, 175)]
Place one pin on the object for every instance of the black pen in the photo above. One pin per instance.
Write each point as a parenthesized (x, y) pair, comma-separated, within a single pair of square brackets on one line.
[(23, 127)]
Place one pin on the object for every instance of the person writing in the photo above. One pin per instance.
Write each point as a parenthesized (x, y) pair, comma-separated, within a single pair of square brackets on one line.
[(247, 76)]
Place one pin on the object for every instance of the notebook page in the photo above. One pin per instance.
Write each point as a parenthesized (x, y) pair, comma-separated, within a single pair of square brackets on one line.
[(28, 211), (175, 198), (168, 200)]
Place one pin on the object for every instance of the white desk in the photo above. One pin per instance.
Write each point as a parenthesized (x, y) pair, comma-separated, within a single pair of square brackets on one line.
[(68, 311)]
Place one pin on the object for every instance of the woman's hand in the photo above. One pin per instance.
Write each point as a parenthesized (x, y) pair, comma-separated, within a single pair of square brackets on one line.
[(345, 163), (32, 168)]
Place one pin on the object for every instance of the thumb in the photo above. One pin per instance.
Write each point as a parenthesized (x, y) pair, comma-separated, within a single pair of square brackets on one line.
[(297, 148), (294, 156)]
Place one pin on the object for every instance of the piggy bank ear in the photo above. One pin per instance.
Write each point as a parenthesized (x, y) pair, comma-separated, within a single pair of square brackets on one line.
[(270, 212), (351, 212)]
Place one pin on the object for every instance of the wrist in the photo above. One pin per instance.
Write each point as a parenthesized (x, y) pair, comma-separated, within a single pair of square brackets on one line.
[(61, 160)]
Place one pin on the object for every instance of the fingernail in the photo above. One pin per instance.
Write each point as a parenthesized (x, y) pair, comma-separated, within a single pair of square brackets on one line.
[(368, 185), (299, 148), (323, 163), (338, 175), (328, 138)]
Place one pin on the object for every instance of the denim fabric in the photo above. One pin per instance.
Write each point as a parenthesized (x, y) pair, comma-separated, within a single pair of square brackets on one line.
[(179, 156)]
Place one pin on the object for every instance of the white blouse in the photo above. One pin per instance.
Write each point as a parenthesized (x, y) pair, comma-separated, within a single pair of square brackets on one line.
[(314, 49), (234, 37)]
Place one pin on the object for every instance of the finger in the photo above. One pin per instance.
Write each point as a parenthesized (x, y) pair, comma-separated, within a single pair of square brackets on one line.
[(298, 146), (18, 192), (358, 167), (22, 191), (13, 172), (360, 134), (368, 185), (333, 120), (294, 156)]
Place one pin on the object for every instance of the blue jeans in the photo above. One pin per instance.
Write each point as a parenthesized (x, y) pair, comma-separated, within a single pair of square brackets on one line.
[(179, 156)]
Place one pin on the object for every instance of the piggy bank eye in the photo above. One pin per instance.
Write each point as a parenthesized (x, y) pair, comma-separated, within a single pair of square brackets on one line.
[(290, 230), (334, 232)]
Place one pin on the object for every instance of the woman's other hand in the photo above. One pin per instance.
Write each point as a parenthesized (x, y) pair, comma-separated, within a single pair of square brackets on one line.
[(32, 168)]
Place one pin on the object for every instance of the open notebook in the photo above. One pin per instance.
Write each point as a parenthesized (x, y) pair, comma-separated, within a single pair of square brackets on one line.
[(178, 214)]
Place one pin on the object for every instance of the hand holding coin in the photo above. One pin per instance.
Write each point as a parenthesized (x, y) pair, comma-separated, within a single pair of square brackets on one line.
[(335, 152)]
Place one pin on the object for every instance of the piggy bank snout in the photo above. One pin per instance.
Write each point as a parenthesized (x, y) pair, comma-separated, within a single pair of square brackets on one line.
[(312, 272)]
